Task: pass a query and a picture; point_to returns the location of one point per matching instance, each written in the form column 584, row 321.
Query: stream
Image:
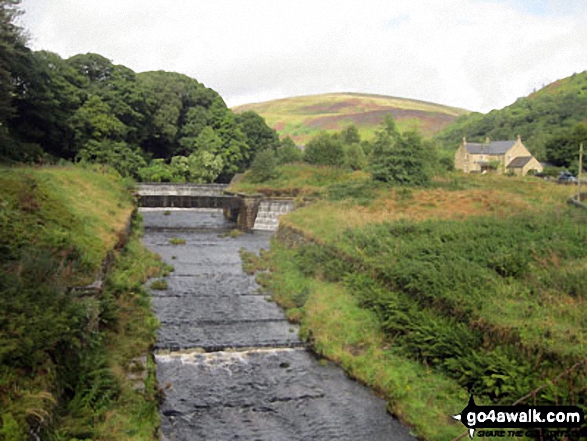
column 230, row 365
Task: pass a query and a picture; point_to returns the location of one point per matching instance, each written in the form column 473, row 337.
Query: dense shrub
column 324, row 150
column 264, row 167
column 288, row 152
column 428, row 283
column 401, row 158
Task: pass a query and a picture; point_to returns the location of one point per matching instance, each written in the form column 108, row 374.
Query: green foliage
column 324, row 149
column 94, row 120
column 354, row 157
column 156, row 171
column 87, row 107
column 401, row 159
column 119, row 155
column 288, row 152
column 56, row 372
column 563, row 149
column 11, row 49
column 259, row 135
column 350, row 135
column 432, row 280
column 264, row 167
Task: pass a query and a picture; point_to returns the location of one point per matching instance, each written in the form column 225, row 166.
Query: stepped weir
column 269, row 212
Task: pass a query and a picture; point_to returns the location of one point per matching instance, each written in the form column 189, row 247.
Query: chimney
column 487, row 140
column 519, row 139
column 464, row 140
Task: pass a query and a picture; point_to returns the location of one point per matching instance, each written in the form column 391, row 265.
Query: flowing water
column 230, row 365
column 269, row 211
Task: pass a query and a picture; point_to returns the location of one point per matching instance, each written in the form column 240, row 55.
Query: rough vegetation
column 65, row 353
column 473, row 283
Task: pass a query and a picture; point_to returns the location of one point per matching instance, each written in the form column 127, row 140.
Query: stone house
column 503, row 156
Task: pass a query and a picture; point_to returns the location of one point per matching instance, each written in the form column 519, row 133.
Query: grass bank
column 340, row 329
column 474, row 284
column 70, row 359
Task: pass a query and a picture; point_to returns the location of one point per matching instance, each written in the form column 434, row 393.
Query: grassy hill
column 303, row 117
column 549, row 112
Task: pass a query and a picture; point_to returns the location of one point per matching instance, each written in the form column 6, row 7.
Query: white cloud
column 476, row 54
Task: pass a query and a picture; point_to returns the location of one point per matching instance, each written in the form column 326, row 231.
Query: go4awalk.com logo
column 523, row 418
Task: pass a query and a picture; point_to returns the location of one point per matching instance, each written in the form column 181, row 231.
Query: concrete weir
column 230, row 365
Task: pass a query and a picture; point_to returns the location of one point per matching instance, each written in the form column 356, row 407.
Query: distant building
column 502, row 156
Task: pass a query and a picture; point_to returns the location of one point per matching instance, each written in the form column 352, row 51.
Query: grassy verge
column 338, row 328
column 128, row 339
column 65, row 354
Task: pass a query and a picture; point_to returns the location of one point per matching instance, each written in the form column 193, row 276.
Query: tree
column 258, row 134
column 350, row 135
column 53, row 93
column 288, row 152
column 127, row 160
column 156, row 171
column 11, row 47
column 263, row 167
column 204, row 166
column 399, row 159
column 355, row 157
column 95, row 120
column 563, row 150
column 324, row 150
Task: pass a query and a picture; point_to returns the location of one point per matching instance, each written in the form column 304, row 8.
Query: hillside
column 476, row 283
column 547, row 113
column 302, row 117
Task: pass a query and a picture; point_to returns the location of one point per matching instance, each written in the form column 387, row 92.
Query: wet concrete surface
column 230, row 364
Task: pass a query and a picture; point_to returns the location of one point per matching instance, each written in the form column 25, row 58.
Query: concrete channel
column 230, row 364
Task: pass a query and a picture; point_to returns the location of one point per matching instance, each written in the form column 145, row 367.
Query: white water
column 269, row 212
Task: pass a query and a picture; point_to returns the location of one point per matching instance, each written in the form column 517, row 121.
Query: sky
column 473, row 54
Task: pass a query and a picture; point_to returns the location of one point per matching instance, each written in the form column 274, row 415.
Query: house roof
column 519, row 162
column 494, row 148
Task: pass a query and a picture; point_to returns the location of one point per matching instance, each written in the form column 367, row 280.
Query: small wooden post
column 579, row 174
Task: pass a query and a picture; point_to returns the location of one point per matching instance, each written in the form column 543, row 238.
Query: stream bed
column 230, row 365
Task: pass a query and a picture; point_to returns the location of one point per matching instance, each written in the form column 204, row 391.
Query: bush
column 289, row 152
column 324, row 150
column 400, row 159
column 264, row 167
column 126, row 159
column 355, row 157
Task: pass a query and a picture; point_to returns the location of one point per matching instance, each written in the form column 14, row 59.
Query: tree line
column 158, row 126
column 391, row 157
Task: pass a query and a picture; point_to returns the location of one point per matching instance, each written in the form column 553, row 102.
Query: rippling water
column 230, row 364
